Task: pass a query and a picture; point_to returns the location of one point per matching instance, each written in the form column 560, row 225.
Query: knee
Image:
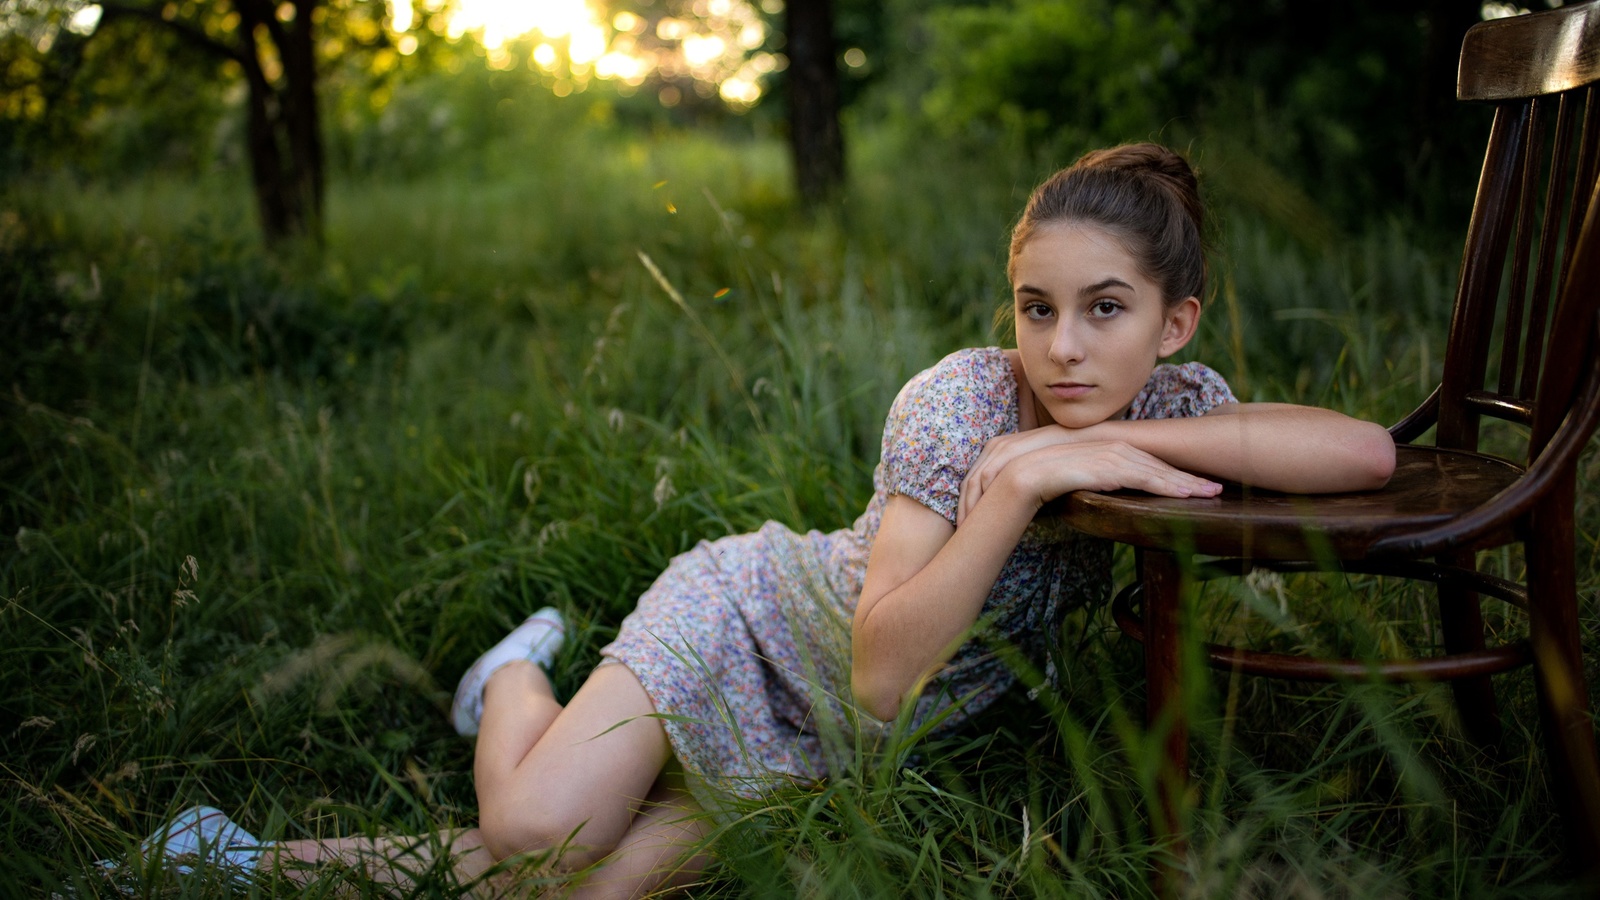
column 561, row 830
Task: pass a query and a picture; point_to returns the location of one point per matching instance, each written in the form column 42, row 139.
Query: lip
column 1069, row 390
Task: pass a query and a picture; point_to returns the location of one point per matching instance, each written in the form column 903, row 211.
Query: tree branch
column 266, row 15
column 249, row 18
column 186, row 30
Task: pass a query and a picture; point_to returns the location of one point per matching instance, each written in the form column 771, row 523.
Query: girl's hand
column 1074, row 461
column 1001, row 450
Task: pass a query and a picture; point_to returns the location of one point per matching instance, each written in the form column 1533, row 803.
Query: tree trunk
column 284, row 134
column 815, row 139
column 302, row 124
column 261, row 133
column 283, row 130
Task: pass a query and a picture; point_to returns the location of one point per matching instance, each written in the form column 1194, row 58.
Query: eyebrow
column 1086, row 290
column 1099, row 286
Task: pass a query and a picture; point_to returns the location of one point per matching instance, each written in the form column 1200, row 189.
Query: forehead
column 1078, row 252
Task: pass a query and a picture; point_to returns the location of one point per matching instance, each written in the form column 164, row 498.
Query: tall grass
column 262, row 515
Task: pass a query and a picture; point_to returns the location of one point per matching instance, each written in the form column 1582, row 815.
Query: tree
column 278, row 49
column 805, row 32
column 815, row 138
column 274, row 51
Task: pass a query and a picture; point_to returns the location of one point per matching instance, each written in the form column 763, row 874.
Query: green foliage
column 449, row 113
column 132, row 101
column 50, row 320
column 1096, row 69
column 479, row 401
column 1349, row 103
column 135, row 95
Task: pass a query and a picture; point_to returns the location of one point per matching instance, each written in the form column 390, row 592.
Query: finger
column 1119, row 465
column 971, row 490
column 976, row 482
column 1171, row 482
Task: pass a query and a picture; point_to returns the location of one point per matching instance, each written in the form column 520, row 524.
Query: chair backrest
column 1520, row 360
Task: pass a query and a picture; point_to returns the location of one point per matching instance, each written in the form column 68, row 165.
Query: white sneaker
column 537, row 640
column 200, row 837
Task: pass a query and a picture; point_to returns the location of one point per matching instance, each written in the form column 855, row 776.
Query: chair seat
column 1429, row 486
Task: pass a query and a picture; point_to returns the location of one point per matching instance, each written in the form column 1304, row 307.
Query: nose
column 1067, row 344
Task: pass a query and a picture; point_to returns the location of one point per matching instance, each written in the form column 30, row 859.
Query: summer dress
column 743, row 643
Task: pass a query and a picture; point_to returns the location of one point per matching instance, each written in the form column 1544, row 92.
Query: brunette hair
column 1146, row 196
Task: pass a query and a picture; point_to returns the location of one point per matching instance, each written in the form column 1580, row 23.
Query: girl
column 752, row 647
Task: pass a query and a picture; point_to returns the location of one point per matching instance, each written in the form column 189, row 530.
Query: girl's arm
column 1278, row 446
column 926, row 579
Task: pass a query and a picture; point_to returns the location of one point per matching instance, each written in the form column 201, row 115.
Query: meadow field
column 258, row 515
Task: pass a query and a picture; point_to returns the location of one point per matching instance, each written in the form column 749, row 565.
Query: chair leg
column 1461, row 621
column 1558, row 666
column 1163, row 655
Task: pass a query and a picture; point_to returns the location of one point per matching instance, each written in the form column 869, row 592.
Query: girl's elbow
column 874, row 697
column 872, row 687
column 867, row 688
column 1376, row 457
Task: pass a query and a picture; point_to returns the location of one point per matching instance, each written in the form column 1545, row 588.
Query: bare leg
column 586, row 775
column 518, row 707
column 547, row 778
column 398, row 861
column 658, row 852
column 527, row 707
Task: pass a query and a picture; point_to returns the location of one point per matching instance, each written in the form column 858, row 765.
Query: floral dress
column 743, row 643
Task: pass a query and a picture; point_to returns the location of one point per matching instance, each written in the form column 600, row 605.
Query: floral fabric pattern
column 743, row 643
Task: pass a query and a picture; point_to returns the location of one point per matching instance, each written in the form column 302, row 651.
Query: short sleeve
column 1176, row 392
column 939, row 423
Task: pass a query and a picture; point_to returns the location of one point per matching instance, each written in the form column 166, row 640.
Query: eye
column 1035, row 310
column 1104, row 309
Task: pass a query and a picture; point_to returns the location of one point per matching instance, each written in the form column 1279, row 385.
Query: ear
column 1182, row 318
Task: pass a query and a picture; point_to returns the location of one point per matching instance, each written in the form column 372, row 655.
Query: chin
column 1077, row 418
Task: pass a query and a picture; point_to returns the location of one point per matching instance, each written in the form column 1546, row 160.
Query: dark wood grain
column 1429, row 486
column 1531, row 56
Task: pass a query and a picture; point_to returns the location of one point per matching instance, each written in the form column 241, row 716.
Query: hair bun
column 1169, row 171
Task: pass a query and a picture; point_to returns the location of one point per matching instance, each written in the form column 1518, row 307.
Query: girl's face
column 1090, row 326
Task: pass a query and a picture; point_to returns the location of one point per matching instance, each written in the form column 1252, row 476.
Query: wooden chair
column 1511, row 355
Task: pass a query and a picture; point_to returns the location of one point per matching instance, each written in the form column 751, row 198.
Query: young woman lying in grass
column 726, row 674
